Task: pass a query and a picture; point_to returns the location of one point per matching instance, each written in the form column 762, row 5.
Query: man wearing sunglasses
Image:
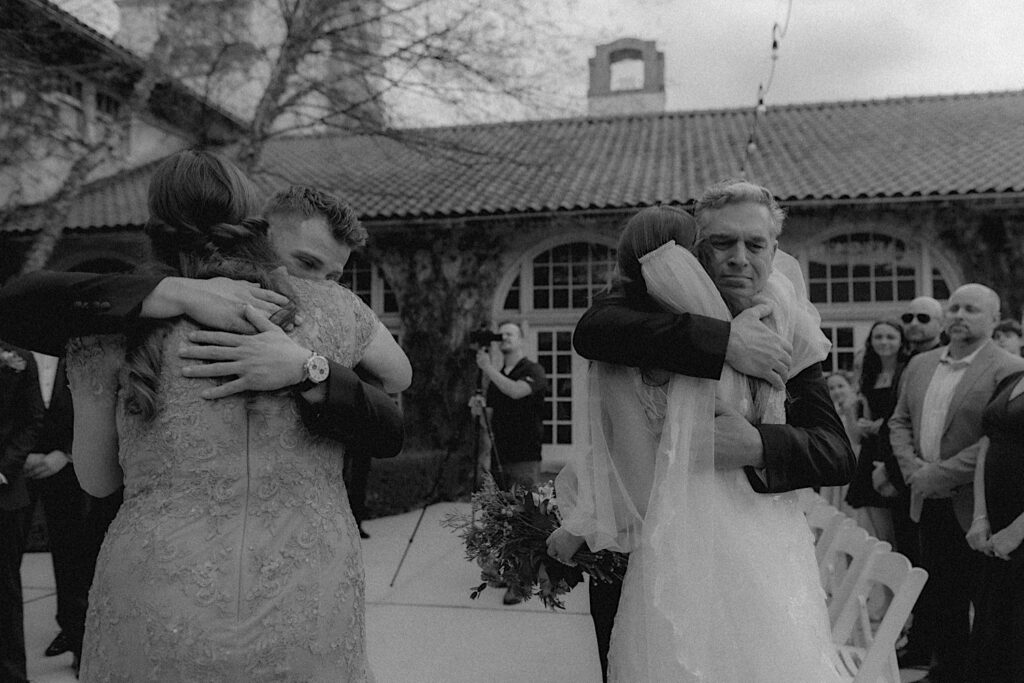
column 922, row 324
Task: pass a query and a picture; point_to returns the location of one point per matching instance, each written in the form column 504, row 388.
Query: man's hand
column 218, row 303
column 755, row 350
column 926, row 482
column 562, row 545
column 264, row 361
column 43, row 465
column 737, row 442
column 483, row 360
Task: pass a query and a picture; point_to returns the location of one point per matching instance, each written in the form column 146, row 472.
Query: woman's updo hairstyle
column 202, row 206
column 647, row 230
column 201, row 225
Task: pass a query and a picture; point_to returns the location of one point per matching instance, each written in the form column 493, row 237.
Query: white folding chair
column 824, row 521
column 844, row 561
column 866, row 652
column 808, row 499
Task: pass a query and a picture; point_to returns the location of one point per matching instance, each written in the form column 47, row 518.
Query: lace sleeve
column 93, row 365
column 366, row 324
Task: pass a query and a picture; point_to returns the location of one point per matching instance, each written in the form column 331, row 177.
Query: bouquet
column 506, row 534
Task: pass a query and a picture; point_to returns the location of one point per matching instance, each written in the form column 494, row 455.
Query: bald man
column 934, row 432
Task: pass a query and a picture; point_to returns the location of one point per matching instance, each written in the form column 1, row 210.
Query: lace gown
column 235, row 556
column 722, row 585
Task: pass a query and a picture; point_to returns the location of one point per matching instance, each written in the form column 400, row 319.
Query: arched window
column 548, row 289
column 857, row 277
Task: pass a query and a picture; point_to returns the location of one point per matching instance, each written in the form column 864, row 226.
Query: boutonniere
column 10, row 359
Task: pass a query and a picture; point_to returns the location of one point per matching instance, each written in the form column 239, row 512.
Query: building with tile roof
column 887, row 200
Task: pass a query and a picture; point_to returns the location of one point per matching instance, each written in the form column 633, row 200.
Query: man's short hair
column 310, row 202
column 737, row 191
column 1008, row 325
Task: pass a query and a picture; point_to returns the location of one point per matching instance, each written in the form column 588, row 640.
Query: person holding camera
column 514, row 407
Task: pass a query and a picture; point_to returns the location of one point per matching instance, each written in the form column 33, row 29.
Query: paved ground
column 423, row 629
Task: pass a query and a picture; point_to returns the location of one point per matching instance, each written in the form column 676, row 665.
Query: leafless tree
column 283, row 67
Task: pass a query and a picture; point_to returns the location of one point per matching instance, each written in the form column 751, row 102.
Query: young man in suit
column 934, row 432
column 51, row 480
column 738, row 227
column 314, row 233
column 21, row 413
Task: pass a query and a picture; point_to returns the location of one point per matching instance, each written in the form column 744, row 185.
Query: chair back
column 843, row 563
column 866, row 648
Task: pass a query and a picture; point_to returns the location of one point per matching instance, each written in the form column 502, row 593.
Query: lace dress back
column 235, row 556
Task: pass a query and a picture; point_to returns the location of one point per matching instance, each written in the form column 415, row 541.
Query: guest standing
column 21, row 413
column 996, row 651
column 883, row 362
column 934, row 432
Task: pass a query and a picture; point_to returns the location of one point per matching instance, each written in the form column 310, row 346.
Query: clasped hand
column 737, row 442
column 265, row 361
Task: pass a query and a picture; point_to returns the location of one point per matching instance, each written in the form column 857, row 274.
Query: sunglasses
column 922, row 318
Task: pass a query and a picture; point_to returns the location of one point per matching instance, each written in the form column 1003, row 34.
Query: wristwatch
column 314, row 372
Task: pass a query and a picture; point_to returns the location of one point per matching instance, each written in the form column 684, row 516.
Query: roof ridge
column 672, row 114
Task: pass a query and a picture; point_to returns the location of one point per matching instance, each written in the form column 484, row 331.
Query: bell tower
column 627, row 76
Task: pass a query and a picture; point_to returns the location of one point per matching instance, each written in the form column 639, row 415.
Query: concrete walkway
column 423, row 629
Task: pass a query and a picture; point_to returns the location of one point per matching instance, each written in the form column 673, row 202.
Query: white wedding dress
column 722, row 585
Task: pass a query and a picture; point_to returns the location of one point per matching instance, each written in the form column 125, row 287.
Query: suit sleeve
column 811, row 448
column 42, row 310
column 357, row 414
column 614, row 330
column 901, row 426
column 25, row 418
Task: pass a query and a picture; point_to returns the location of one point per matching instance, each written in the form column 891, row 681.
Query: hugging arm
column 615, row 330
column 42, row 310
column 811, row 448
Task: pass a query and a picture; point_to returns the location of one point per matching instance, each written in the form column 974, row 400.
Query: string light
column 761, row 109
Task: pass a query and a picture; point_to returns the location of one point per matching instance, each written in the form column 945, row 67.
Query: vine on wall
column 444, row 277
column 991, row 249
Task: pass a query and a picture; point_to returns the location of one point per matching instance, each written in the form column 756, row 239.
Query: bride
column 722, row 583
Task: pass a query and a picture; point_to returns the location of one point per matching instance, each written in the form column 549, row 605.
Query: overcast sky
column 718, row 51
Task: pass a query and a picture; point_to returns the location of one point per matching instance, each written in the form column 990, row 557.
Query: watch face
column 317, row 368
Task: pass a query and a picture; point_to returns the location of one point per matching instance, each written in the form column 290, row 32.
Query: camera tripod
column 495, row 467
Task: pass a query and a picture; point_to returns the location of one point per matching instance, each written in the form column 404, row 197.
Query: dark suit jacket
column 811, row 449
column 21, row 413
column 42, row 310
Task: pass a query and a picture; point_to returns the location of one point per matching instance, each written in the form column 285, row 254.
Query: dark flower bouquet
column 506, row 534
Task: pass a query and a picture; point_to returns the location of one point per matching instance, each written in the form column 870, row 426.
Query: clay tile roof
column 936, row 146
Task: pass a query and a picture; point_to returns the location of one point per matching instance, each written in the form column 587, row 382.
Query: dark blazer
column 21, row 414
column 42, row 310
column 811, row 449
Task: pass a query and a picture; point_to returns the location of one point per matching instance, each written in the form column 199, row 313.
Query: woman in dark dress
column 884, row 360
column 997, row 637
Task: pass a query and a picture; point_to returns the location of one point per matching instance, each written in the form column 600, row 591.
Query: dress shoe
column 510, row 599
column 60, row 645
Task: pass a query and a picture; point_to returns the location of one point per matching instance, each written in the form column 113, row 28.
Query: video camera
column 483, row 337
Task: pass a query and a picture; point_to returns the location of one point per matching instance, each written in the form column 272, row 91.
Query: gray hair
column 737, row 191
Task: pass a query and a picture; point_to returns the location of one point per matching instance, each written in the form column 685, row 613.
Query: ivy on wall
column 990, row 245
column 444, row 277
